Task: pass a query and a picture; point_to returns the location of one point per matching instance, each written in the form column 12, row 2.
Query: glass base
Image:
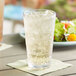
column 38, row 66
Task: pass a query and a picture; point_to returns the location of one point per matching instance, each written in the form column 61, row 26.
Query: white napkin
column 55, row 65
column 5, row 46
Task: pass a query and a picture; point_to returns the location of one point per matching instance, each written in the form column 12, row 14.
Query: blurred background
column 13, row 11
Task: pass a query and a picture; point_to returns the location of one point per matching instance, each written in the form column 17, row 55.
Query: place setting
column 39, row 43
column 39, row 39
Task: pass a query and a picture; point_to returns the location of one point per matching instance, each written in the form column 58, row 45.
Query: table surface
column 18, row 52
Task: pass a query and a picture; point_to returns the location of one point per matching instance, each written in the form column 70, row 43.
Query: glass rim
column 38, row 10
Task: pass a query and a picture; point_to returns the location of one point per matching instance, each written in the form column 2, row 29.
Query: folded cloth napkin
column 55, row 65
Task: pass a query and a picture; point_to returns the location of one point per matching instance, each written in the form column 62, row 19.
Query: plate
column 22, row 34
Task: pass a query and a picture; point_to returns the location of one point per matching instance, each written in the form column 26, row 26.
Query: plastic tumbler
column 39, row 32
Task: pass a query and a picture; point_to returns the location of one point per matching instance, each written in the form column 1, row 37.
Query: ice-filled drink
column 39, row 32
column 1, row 18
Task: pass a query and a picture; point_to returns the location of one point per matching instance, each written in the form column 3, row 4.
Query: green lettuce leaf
column 57, row 20
column 71, row 30
column 59, row 31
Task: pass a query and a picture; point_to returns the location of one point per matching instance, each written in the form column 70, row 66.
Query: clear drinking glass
column 39, row 33
column 1, row 18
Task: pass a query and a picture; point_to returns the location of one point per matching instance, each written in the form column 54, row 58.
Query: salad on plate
column 65, row 31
